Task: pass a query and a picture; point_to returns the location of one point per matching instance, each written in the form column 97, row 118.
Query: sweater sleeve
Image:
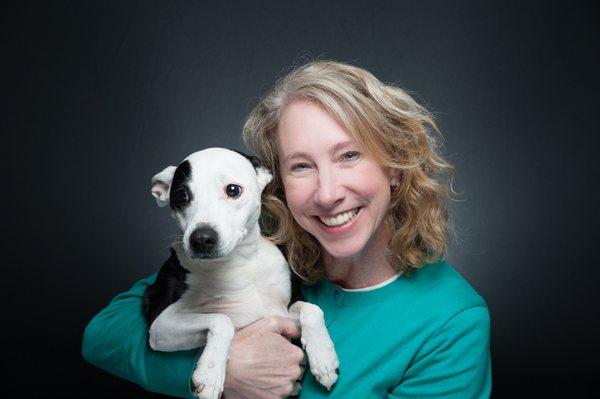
column 116, row 340
column 454, row 363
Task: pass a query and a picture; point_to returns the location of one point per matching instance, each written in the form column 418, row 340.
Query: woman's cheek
column 297, row 191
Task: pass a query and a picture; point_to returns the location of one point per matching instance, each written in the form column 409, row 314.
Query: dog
column 223, row 275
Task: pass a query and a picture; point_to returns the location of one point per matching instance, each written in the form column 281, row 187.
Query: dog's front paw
column 315, row 340
column 323, row 360
column 208, row 379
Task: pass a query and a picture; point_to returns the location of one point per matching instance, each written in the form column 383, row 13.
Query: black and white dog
column 223, row 275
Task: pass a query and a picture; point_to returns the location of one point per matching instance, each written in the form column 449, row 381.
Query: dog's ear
column 263, row 174
column 161, row 184
column 252, row 158
column 263, row 177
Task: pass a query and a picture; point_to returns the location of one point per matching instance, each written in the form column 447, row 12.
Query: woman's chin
column 341, row 251
column 344, row 245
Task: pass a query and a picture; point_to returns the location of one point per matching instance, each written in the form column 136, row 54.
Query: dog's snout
column 203, row 241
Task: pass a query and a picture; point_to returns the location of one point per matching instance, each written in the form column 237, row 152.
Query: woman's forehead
column 307, row 127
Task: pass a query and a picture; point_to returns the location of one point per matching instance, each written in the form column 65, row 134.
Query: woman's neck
column 369, row 267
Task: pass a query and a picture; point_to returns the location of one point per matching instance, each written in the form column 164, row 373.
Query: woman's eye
column 300, row 166
column 350, row 156
column 233, row 190
column 183, row 196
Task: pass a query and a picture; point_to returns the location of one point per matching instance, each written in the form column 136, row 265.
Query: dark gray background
column 100, row 96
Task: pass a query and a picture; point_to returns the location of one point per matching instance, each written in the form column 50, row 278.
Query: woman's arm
column 454, row 363
column 262, row 362
column 116, row 340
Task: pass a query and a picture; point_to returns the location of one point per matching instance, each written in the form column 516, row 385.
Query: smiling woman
column 334, row 192
column 358, row 207
column 373, row 136
column 358, row 204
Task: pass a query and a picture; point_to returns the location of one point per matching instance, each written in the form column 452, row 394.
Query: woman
column 357, row 205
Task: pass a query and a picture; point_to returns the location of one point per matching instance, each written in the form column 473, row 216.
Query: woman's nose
column 330, row 191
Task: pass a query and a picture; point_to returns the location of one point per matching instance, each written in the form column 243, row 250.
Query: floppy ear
column 161, row 184
column 263, row 176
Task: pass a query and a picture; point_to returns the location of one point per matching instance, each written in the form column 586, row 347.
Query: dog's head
column 214, row 195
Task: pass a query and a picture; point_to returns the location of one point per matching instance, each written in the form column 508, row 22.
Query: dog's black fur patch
column 181, row 177
column 253, row 159
column 296, row 290
column 167, row 288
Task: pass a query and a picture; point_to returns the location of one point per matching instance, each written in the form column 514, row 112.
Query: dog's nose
column 203, row 240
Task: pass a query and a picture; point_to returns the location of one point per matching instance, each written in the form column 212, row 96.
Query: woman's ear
column 394, row 177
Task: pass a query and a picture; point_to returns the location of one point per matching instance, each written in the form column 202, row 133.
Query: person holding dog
column 358, row 205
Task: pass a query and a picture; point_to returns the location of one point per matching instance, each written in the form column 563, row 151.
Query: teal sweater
column 425, row 335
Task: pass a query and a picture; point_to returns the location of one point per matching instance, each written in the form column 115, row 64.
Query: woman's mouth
column 340, row 219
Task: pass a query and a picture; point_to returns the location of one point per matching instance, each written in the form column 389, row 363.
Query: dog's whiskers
column 177, row 240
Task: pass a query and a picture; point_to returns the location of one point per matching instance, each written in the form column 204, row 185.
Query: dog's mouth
column 203, row 256
column 189, row 253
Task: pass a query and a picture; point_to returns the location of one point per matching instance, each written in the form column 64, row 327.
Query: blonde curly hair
column 392, row 128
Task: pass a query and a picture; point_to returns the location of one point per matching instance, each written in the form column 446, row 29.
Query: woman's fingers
column 284, row 325
column 262, row 363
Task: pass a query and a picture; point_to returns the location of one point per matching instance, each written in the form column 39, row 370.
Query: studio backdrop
column 99, row 96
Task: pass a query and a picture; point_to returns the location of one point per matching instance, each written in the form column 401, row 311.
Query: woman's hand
column 262, row 362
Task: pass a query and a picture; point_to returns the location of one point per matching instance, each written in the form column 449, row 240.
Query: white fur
column 248, row 281
column 161, row 184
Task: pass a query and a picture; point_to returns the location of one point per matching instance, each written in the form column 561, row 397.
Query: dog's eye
column 183, row 196
column 233, row 190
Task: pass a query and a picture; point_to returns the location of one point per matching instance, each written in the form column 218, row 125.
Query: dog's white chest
column 243, row 305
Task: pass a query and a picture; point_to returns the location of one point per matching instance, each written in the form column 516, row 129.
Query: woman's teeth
column 340, row 219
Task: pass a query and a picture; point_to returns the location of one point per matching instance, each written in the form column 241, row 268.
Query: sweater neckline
column 373, row 287
column 377, row 294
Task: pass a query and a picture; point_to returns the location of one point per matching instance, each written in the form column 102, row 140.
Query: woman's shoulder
column 442, row 291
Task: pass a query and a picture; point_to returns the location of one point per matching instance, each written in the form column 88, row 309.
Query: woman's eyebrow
column 342, row 145
column 295, row 155
column 336, row 148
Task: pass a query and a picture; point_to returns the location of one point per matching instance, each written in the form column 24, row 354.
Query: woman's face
column 333, row 190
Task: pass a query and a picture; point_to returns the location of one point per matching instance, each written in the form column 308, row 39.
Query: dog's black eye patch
column 253, row 159
column 180, row 195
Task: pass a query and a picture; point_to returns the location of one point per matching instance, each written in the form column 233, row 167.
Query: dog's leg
column 315, row 339
column 209, row 376
column 178, row 329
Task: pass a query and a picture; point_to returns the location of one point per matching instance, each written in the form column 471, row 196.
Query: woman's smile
column 333, row 189
column 339, row 223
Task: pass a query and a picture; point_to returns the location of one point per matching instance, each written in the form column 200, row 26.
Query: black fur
column 181, row 177
column 296, row 289
column 167, row 289
column 253, row 159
